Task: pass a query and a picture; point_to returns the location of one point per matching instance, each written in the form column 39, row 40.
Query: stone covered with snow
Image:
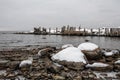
column 98, row 66
column 88, row 46
column 108, row 53
column 117, row 62
column 67, row 45
column 45, row 52
column 91, row 50
column 117, row 65
column 26, row 63
column 70, row 54
column 111, row 53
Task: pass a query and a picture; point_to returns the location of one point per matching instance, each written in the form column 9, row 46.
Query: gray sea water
column 9, row 41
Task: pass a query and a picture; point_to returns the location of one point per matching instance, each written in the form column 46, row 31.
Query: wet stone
column 118, row 75
column 86, row 75
column 45, row 52
column 53, row 69
column 92, row 55
column 72, row 65
column 56, row 77
column 3, row 64
column 117, row 67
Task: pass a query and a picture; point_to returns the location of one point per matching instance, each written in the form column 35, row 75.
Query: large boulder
column 98, row 66
column 70, row 54
column 70, row 57
column 91, row 50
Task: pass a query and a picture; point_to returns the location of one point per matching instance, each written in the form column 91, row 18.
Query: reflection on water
column 20, row 40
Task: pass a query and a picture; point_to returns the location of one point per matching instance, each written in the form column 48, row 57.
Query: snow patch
column 97, row 65
column 67, row 45
column 117, row 62
column 111, row 53
column 109, row 74
column 71, row 54
column 88, row 46
column 108, row 53
column 26, row 62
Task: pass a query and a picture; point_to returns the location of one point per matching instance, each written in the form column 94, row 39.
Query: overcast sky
column 26, row 14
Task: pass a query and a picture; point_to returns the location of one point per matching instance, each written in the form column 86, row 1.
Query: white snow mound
column 88, row 46
column 97, row 65
column 111, row 53
column 117, row 62
column 67, row 45
column 108, row 53
column 26, row 62
column 70, row 54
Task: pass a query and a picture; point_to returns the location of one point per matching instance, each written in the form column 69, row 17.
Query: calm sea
column 8, row 41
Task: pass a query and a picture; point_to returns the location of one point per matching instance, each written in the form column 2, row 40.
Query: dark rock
column 78, row 78
column 108, row 68
column 13, row 65
column 73, row 65
column 88, row 75
column 109, row 59
column 57, row 77
column 53, row 69
column 118, row 75
column 95, row 54
column 3, row 64
column 116, row 67
column 45, row 52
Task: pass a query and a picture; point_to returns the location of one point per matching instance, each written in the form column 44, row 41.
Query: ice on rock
column 108, row 53
column 88, row 46
column 26, row 62
column 111, row 53
column 70, row 54
column 67, row 45
column 97, row 65
column 117, row 62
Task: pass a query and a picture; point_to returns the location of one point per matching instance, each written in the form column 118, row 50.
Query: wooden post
column 99, row 31
column 49, row 30
column 91, row 31
column 56, row 30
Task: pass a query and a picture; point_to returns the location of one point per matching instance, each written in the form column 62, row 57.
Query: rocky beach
column 101, row 64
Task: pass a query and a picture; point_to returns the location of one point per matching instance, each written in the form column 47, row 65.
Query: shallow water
column 8, row 41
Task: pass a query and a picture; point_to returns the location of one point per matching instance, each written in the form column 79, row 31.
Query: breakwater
column 76, row 31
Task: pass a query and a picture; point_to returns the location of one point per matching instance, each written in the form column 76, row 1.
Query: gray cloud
column 26, row 14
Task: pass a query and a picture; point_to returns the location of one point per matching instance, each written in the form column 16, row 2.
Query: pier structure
column 76, row 31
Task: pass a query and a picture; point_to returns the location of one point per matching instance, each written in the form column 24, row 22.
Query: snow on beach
column 97, row 64
column 117, row 62
column 111, row 53
column 108, row 53
column 26, row 62
column 88, row 46
column 71, row 54
column 67, row 45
